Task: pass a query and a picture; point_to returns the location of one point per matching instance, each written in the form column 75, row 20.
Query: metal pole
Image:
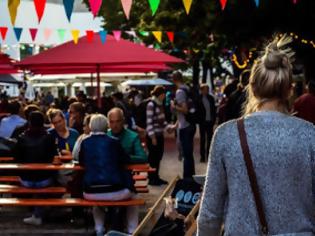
column 98, row 90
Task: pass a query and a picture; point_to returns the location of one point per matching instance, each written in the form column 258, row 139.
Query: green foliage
column 240, row 26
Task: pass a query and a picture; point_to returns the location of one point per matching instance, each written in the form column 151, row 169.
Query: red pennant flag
column 90, row 35
column 295, row 1
column 40, row 7
column 170, row 36
column 95, row 6
column 3, row 31
column 223, row 4
column 33, row 32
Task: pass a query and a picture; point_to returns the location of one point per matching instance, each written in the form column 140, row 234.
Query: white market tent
column 146, row 82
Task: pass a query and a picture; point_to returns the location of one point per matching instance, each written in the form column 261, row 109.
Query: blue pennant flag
column 68, row 4
column 257, row 3
column 18, row 32
column 103, row 35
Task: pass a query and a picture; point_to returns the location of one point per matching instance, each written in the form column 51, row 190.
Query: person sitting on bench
column 105, row 177
column 35, row 145
column 129, row 139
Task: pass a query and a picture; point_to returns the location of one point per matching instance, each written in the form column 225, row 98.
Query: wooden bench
column 61, row 158
column 16, row 180
column 14, row 189
column 11, row 179
column 140, row 177
column 142, row 190
column 67, row 202
column 6, row 159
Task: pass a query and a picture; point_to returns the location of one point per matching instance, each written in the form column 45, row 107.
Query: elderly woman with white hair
column 105, row 177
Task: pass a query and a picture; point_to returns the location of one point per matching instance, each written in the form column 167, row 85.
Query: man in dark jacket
column 234, row 107
column 207, row 117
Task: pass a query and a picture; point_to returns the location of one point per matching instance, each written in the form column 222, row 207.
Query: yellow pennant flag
column 187, row 5
column 158, row 35
column 13, row 7
column 75, row 36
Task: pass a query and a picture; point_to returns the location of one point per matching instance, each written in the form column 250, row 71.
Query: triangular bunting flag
column 47, row 34
column 3, row 31
column 157, row 35
column 131, row 33
column 68, row 4
column 187, row 5
column 18, row 33
column 89, row 35
column 257, row 3
column 144, row 33
column 95, row 6
column 33, row 32
column 40, row 7
column 127, row 7
column 117, row 34
column 103, row 35
column 295, row 1
column 154, row 5
column 157, row 46
column 61, row 34
column 170, row 36
column 13, row 7
column 223, row 4
column 75, row 36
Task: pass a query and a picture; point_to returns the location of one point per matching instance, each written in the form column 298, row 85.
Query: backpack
column 192, row 115
column 141, row 113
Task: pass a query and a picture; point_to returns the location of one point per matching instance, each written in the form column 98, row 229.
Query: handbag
column 252, row 177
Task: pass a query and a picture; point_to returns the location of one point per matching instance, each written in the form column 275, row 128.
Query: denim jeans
column 186, row 137
column 37, row 211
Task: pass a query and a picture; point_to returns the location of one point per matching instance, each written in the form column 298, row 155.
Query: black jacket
column 35, row 146
column 234, row 107
column 202, row 110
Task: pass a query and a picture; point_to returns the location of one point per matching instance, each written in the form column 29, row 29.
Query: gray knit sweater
column 283, row 153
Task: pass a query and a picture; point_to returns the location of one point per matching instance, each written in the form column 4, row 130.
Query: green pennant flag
column 154, row 5
column 157, row 46
column 61, row 34
column 144, row 33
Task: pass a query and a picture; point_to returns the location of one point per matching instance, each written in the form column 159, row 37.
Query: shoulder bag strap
column 252, row 176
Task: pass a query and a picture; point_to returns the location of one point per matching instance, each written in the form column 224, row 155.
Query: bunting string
column 95, row 6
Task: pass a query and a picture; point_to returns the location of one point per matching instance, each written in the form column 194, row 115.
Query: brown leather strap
column 252, row 176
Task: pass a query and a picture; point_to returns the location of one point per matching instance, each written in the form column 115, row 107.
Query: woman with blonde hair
column 261, row 172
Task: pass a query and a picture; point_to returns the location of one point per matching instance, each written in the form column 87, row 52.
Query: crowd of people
column 131, row 129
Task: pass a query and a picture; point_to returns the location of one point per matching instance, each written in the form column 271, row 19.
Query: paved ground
column 58, row 220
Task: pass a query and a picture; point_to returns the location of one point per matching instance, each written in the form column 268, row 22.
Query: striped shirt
column 155, row 119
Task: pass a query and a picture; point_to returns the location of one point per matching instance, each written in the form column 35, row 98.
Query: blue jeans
column 186, row 138
column 37, row 211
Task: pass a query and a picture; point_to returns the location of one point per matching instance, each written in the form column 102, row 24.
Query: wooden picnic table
column 65, row 166
column 39, row 166
column 11, row 159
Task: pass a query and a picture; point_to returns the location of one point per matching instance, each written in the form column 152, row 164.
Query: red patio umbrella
column 96, row 57
column 6, row 65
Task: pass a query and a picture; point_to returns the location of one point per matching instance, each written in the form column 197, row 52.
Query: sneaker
column 162, row 181
column 33, row 220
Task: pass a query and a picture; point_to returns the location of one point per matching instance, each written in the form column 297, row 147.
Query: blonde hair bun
column 276, row 56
